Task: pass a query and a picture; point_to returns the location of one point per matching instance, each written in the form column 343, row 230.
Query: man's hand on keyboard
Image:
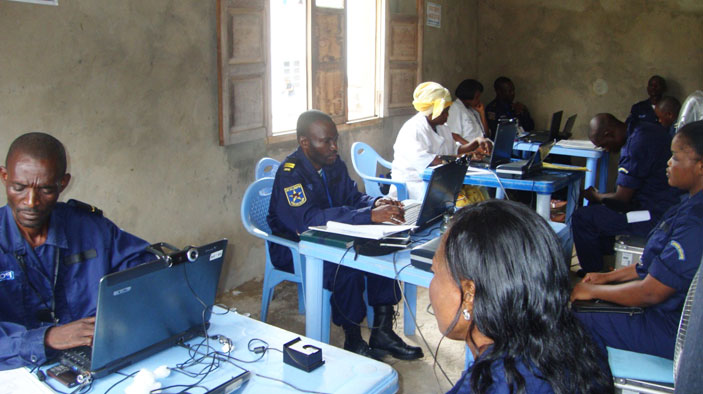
column 387, row 201
column 76, row 333
column 388, row 213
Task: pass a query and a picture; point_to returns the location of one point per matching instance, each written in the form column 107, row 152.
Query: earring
column 467, row 314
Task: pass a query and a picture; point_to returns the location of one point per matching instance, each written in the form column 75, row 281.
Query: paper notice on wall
column 434, row 14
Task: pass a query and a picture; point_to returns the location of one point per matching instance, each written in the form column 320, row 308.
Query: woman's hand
column 596, row 278
column 582, row 291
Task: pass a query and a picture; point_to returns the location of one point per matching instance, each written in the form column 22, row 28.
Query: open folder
column 370, row 231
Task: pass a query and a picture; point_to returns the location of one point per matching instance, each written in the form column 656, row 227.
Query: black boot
column 384, row 339
column 353, row 342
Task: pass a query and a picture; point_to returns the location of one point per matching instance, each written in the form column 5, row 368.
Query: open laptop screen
column 151, row 307
column 441, row 193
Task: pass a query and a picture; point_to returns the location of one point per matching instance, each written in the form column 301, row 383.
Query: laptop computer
column 568, row 126
column 526, row 168
column 149, row 308
column 442, row 189
column 546, row 135
column 502, row 146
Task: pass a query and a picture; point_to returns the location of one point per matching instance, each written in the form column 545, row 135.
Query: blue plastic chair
column 255, row 208
column 644, row 373
column 365, row 161
column 266, row 168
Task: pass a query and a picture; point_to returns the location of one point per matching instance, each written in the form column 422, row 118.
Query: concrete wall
column 130, row 87
column 555, row 51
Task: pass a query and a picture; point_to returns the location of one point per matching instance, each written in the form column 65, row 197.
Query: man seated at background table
column 643, row 111
column 423, row 140
column 504, row 107
column 467, row 117
column 52, row 256
column 641, row 185
column 312, row 186
column 667, row 111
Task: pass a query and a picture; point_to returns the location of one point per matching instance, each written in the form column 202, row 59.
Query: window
column 277, row 58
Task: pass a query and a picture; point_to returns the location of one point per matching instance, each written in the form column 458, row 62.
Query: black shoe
column 383, row 338
column 354, row 343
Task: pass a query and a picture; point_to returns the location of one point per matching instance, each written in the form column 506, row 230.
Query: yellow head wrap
column 431, row 98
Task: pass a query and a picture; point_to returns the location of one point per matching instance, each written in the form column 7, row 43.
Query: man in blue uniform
column 52, row 256
column 503, row 107
column 641, row 185
column 312, row 186
column 667, row 111
column 643, row 111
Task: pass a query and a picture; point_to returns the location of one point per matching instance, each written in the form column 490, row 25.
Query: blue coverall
column 301, row 198
column 672, row 256
column 86, row 246
column 642, row 167
column 643, row 112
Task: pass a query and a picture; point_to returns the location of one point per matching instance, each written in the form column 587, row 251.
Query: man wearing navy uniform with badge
column 312, row 186
column 641, row 185
column 52, row 256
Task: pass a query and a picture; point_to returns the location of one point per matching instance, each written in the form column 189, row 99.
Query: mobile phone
column 64, row 374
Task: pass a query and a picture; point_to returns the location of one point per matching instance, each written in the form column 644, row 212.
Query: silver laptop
column 149, row 308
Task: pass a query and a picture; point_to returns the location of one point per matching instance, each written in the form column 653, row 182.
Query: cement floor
column 419, row 376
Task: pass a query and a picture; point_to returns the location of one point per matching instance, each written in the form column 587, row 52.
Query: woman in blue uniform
column 501, row 285
column 669, row 262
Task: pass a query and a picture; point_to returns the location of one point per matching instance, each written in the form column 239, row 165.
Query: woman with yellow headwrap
column 422, row 139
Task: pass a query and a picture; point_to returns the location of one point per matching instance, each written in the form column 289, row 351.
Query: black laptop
column 149, row 308
column 568, row 126
column 546, row 135
column 440, row 196
column 502, row 146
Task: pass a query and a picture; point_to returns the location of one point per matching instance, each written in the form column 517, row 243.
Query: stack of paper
column 371, row 231
column 577, row 144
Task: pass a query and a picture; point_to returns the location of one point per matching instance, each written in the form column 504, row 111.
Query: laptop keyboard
column 77, row 358
column 412, row 211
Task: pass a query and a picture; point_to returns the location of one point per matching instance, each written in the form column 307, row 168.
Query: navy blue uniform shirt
column 87, row 246
column 672, row 255
column 496, row 110
column 642, row 167
column 301, row 199
column 643, row 112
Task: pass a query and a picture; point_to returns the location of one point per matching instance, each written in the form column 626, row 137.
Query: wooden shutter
column 403, row 61
column 328, row 61
column 243, row 77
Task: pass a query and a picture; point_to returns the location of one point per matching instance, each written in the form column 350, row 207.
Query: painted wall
column 555, row 51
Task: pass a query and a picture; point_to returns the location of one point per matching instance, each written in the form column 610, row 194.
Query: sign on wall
column 45, row 2
column 434, row 14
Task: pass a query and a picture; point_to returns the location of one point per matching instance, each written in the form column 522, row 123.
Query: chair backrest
column 688, row 353
column 365, row 161
column 255, row 206
column 266, row 168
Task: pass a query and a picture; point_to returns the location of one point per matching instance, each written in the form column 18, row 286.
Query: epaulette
column 289, row 164
column 85, row 207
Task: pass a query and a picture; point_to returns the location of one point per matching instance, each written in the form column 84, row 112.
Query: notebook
column 148, row 308
column 546, row 135
column 502, row 146
column 442, row 189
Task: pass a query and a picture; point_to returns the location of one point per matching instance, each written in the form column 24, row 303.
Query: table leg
column 603, row 171
column 410, row 304
column 313, row 298
column 590, row 180
column 543, row 206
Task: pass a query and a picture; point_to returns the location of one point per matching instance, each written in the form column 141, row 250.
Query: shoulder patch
column 623, row 170
column 85, row 207
column 295, row 195
column 679, row 250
